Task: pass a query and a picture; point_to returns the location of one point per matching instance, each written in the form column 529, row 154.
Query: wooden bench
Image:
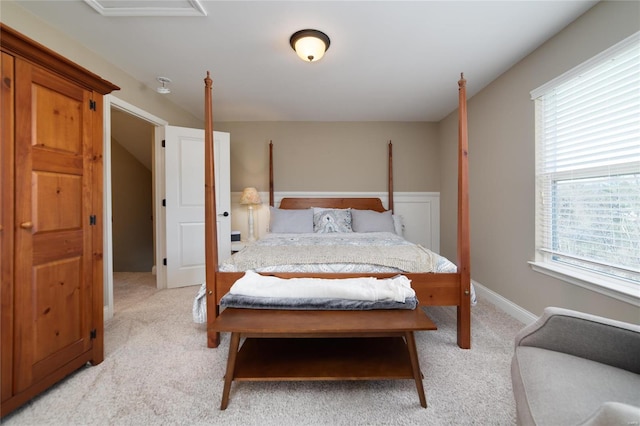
column 288, row 345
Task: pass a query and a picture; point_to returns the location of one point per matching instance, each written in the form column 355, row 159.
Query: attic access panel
column 148, row 7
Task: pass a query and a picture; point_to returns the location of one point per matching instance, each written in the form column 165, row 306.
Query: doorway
column 118, row 112
column 132, row 208
column 131, row 193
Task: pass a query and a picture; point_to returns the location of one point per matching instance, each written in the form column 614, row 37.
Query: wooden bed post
column 390, row 185
column 210, row 228
column 271, row 200
column 464, row 267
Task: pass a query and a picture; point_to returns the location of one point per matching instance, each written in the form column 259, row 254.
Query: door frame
column 157, row 177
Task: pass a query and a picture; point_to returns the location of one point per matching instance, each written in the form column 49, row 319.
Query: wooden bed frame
column 432, row 289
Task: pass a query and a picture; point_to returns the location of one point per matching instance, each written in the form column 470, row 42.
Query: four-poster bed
column 432, row 289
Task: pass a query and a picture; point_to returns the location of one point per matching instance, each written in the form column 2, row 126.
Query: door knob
column 26, row 225
column 225, row 214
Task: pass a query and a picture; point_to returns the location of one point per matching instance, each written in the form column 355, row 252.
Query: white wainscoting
column 420, row 212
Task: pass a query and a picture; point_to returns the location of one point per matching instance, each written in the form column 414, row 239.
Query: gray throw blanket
column 250, row 302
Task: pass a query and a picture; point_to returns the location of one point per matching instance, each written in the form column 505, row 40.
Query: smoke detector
column 163, row 90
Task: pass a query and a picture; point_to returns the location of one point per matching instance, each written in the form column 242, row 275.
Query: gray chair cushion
column 614, row 413
column 554, row 388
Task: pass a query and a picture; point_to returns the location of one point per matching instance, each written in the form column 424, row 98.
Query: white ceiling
column 388, row 60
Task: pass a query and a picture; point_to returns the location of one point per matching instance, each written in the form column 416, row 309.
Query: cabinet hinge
column 164, row 261
column 92, row 105
column 163, row 142
column 164, row 202
column 93, row 334
column 92, row 219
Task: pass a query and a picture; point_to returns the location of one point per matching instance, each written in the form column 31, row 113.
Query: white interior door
column 184, row 203
column 222, row 154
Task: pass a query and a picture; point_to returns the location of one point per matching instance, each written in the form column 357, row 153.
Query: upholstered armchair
column 572, row 368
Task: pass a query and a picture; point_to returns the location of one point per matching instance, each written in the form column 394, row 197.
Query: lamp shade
column 310, row 45
column 250, row 196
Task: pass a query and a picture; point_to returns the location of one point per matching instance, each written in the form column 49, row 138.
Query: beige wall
column 132, row 212
column 501, row 155
column 131, row 90
column 333, row 156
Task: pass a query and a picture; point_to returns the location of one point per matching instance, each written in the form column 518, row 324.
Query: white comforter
column 337, row 252
column 365, row 288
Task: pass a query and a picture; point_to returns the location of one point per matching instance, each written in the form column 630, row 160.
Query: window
column 588, row 172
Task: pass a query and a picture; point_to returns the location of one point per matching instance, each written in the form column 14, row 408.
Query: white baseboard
column 108, row 313
column 504, row 304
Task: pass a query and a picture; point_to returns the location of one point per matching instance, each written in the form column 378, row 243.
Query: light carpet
column 158, row 371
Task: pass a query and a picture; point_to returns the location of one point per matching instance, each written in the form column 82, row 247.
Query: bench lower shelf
column 289, row 359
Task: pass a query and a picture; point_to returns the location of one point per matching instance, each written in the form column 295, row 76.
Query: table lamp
column 250, row 198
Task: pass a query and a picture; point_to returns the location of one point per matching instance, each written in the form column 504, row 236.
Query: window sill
column 616, row 289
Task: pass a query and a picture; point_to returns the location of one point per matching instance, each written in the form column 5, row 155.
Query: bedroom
column 503, row 238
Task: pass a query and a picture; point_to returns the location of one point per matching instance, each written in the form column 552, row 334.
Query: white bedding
column 396, row 289
column 336, row 253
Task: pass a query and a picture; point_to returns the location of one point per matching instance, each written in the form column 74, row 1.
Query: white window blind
column 588, row 166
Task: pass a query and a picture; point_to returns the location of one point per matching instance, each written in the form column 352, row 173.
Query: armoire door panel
column 48, row 247
column 58, row 305
column 53, row 281
column 57, row 201
column 61, row 104
column 59, row 163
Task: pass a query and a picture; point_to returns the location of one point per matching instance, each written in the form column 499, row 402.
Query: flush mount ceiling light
column 310, row 45
column 163, row 90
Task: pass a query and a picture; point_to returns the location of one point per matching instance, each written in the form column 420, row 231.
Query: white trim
column 589, row 281
column 107, row 230
column 503, row 304
column 160, row 234
column 577, row 70
column 152, row 9
column 121, row 105
column 109, row 102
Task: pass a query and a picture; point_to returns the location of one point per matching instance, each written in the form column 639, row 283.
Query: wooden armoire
column 51, row 243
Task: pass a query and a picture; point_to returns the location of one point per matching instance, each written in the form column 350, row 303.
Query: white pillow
column 295, row 221
column 372, row 221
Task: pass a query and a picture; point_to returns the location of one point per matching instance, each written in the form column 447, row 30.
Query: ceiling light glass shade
column 163, row 90
column 310, row 45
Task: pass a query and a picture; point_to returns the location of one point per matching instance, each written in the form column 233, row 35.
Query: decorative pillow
column 297, row 221
column 331, row 220
column 372, row 221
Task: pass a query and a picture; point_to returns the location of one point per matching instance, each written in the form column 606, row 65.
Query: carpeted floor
column 158, row 371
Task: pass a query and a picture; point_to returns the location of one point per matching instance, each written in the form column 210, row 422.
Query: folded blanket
column 406, row 257
column 371, row 289
column 249, row 302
